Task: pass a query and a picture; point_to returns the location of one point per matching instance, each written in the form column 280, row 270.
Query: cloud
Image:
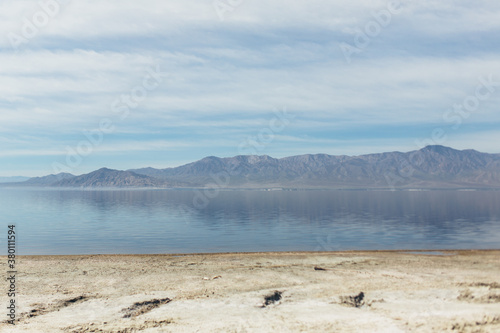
column 223, row 78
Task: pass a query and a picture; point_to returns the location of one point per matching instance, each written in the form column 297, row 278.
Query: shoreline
column 353, row 291
column 405, row 251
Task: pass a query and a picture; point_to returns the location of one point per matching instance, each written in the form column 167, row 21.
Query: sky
column 129, row 84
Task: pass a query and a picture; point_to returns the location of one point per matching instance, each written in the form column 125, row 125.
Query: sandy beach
column 457, row 291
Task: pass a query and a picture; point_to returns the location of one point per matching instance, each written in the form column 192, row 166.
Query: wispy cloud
column 223, row 79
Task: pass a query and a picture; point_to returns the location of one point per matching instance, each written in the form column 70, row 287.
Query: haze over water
column 166, row 221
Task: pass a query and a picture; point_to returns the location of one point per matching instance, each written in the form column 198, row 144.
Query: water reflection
column 165, row 221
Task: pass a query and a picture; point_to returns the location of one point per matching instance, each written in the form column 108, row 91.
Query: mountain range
column 14, row 179
column 429, row 167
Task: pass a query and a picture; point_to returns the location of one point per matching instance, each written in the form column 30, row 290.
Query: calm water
column 166, row 221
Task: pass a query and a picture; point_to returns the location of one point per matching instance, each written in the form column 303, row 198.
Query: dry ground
column 261, row 292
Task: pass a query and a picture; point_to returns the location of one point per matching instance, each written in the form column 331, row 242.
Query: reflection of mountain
column 151, row 221
column 362, row 219
column 430, row 210
column 430, row 167
column 350, row 219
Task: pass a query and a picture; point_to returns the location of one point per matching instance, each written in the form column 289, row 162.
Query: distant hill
column 111, row 178
column 39, row 181
column 48, row 180
column 15, row 179
column 430, row 167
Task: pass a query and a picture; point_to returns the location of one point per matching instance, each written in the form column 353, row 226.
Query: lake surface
column 167, row 221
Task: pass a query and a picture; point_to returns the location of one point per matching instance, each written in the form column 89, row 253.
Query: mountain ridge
column 13, row 179
column 430, row 167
